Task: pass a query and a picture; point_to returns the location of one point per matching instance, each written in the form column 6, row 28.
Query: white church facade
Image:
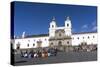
column 57, row 36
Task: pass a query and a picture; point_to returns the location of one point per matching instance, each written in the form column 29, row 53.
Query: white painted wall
column 89, row 40
column 30, row 41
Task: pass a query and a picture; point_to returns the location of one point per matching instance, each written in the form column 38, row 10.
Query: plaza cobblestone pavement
column 62, row 57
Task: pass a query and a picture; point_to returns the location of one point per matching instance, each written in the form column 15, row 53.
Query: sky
column 34, row 18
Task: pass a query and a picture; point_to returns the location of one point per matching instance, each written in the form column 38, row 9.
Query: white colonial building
column 57, row 36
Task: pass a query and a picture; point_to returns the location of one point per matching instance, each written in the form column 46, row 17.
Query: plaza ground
column 62, row 57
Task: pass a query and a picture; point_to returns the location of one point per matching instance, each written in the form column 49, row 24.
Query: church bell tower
column 52, row 28
column 68, row 26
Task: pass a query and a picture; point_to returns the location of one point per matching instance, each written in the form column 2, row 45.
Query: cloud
column 89, row 27
column 94, row 28
column 94, row 23
column 85, row 26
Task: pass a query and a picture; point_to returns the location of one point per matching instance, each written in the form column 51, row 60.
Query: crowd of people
column 87, row 48
column 53, row 51
column 39, row 53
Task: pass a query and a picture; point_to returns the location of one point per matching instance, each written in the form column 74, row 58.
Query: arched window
column 67, row 25
column 52, row 26
column 27, row 45
column 59, row 43
column 33, row 44
column 59, row 34
column 45, row 39
column 51, row 44
column 18, row 46
column 93, row 36
column 67, row 42
column 78, row 38
column 39, row 43
column 88, row 37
